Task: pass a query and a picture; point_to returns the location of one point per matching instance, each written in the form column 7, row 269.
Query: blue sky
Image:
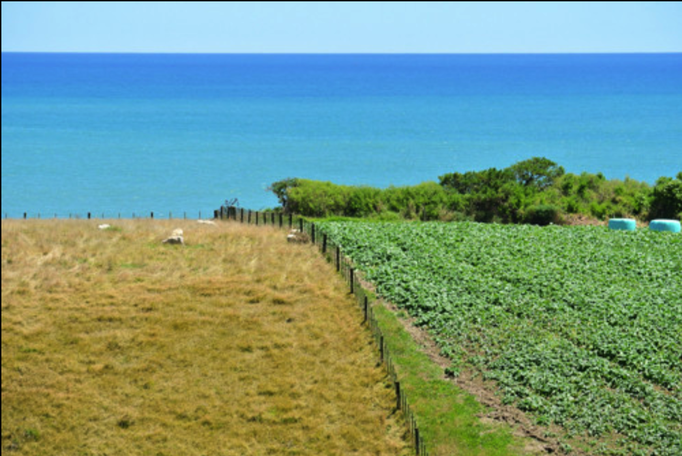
column 334, row 27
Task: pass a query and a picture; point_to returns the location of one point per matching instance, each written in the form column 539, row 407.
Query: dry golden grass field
column 236, row 343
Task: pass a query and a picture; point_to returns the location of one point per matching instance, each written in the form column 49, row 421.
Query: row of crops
column 579, row 326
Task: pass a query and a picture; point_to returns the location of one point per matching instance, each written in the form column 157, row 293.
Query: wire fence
column 332, row 252
column 117, row 215
column 344, row 266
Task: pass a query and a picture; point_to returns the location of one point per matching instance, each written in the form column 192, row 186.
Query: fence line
column 332, row 252
column 103, row 215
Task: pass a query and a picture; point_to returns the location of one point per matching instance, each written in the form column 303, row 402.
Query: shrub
column 317, row 199
column 362, row 201
column 542, row 214
column 666, row 201
column 524, row 192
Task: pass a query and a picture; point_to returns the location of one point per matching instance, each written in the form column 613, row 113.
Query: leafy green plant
column 578, row 326
column 542, row 214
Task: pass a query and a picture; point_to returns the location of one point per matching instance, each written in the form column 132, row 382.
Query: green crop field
column 580, row 327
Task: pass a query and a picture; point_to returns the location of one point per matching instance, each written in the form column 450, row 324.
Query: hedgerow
column 535, row 191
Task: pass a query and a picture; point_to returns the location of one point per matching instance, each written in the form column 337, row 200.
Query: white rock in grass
column 174, row 240
column 206, row 222
column 297, row 237
column 104, row 226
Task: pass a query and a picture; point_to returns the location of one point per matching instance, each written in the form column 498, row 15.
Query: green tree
column 281, row 190
column 538, row 172
column 667, row 198
column 476, row 181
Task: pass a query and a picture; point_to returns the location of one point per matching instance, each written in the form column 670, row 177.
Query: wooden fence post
column 369, row 318
column 416, row 441
column 351, row 280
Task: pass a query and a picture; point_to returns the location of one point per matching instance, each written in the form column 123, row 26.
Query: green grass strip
column 447, row 416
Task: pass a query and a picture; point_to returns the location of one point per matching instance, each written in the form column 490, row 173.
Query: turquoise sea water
column 135, row 133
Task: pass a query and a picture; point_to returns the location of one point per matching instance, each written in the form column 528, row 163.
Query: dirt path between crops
column 484, row 392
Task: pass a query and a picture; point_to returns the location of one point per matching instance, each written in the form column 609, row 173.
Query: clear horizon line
column 347, row 52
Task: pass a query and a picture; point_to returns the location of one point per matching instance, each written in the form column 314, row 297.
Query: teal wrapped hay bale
column 665, row 225
column 623, row 224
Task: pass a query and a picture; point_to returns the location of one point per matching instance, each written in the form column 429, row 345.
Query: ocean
column 175, row 134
